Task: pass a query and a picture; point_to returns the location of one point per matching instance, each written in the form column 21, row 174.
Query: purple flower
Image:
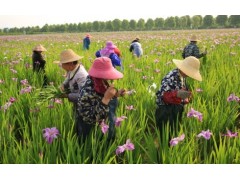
column 199, row 90
column 193, row 113
column 232, row 97
column 50, row 133
column 120, row 150
column 128, row 146
column 119, row 120
column 206, row 134
column 104, row 127
column 176, row 140
column 231, row 134
column 130, row 92
column 24, row 82
column 12, row 99
column 130, row 107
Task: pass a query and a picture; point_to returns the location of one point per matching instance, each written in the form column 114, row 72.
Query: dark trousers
column 83, row 129
column 171, row 114
column 112, row 117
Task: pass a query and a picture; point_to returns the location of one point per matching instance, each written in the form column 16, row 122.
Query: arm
column 97, row 54
column 196, row 52
column 116, row 61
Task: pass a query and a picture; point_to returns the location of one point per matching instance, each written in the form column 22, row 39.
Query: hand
column 63, row 96
column 121, row 92
column 109, row 94
column 183, row 94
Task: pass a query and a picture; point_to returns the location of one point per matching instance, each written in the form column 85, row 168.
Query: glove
column 183, row 94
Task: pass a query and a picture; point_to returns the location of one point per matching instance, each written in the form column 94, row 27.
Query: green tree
column 170, row 22
column 117, row 24
column 159, row 23
column 183, row 22
column 96, row 26
column 196, row 22
column 125, row 24
column 234, row 20
column 109, row 26
column 141, row 24
column 132, row 24
column 208, row 21
column 150, row 24
column 221, row 20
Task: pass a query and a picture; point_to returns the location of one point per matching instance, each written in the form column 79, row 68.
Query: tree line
column 170, row 23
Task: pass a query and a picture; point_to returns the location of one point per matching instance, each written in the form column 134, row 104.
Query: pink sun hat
column 110, row 45
column 102, row 68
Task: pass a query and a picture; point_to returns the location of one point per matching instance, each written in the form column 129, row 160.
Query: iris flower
column 50, row 133
column 128, row 146
column 104, row 127
column 119, row 120
column 205, row 134
column 176, row 140
column 231, row 134
column 196, row 114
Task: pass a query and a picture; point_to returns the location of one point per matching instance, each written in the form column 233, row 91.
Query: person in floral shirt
column 174, row 92
column 97, row 92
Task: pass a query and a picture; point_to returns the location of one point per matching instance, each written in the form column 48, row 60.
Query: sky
column 23, row 13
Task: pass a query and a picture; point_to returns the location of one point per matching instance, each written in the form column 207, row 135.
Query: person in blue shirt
column 86, row 42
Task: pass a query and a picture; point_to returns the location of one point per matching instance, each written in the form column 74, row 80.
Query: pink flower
column 176, row 140
column 205, row 134
column 193, row 113
column 130, row 107
column 199, row 90
column 24, row 82
column 231, row 134
column 128, row 146
column 58, row 101
column 232, row 97
column 119, row 120
column 12, row 99
column 50, row 133
column 104, row 127
column 130, row 92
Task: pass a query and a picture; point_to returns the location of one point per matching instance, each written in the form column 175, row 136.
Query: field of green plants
column 22, row 120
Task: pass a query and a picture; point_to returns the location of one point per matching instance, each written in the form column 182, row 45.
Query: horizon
column 24, row 13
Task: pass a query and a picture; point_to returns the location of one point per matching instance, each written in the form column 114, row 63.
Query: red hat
column 102, row 68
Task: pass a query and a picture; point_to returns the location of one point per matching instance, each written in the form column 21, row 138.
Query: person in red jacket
column 174, row 92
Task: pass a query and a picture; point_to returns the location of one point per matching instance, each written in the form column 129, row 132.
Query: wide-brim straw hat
column 67, row 56
column 194, row 38
column 102, row 68
column 189, row 66
column 39, row 48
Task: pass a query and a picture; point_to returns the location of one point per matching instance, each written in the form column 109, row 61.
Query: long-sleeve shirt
column 38, row 62
column 86, row 43
column 191, row 50
column 90, row 107
column 136, row 48
column 116, row 61
column 74, row 81
column 171, row 83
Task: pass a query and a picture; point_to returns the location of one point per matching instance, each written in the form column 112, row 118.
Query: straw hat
column 190, row 66
column 39, row 48
column 194, row 38
column 102, row 68
column 68, row 56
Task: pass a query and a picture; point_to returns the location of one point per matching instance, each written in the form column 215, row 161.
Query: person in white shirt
column 75, row 77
